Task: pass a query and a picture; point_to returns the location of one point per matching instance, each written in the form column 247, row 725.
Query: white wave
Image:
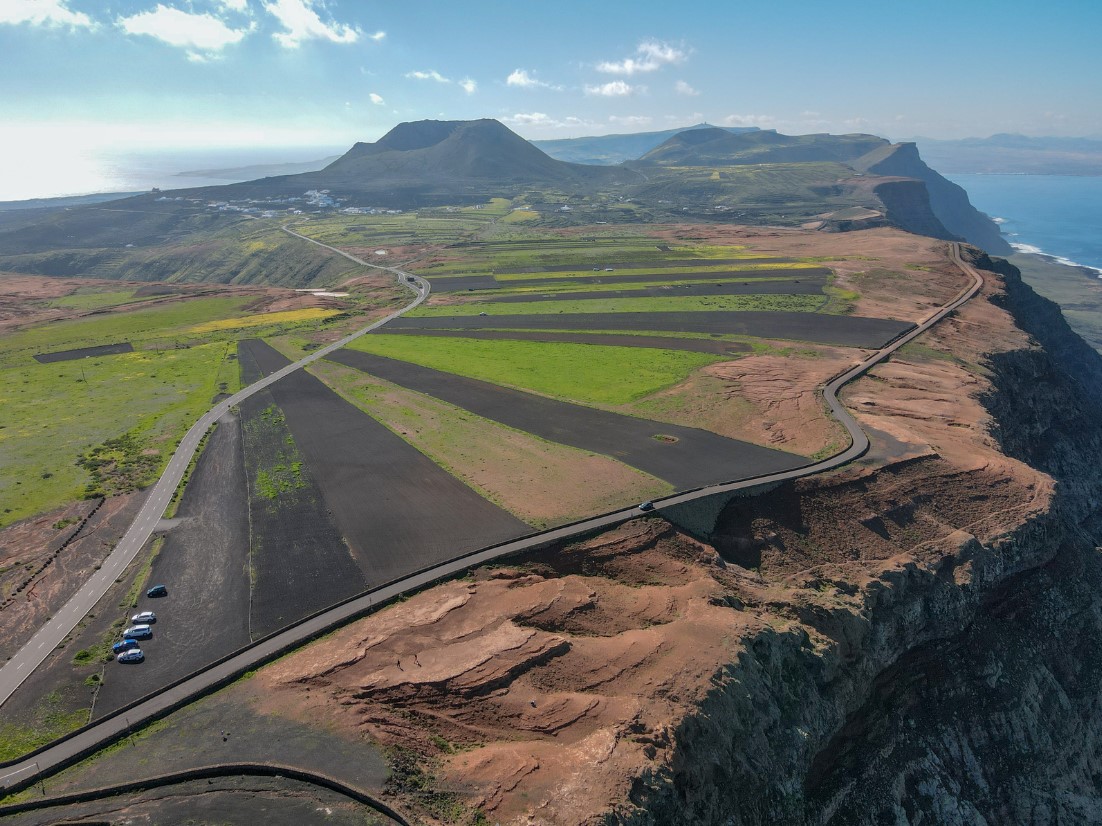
column 999, row 220
column 1029, row 249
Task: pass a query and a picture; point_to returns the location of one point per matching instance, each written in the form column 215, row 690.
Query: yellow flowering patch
column 261, row 319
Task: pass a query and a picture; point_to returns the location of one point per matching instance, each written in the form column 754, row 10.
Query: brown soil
column 26, row 545
column 540, row 691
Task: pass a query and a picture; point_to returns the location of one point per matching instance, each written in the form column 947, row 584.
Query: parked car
column 157, row 591
column 646, row 506
column 134, row 655
column 124, row 645
column 138, row 632
column 144, row 618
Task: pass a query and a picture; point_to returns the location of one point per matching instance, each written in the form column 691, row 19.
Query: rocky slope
column 910, row 640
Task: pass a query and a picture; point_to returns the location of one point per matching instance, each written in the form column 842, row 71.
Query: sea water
column 1055, row 215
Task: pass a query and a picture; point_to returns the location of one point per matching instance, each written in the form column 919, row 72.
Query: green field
column 54, row 413
column 593, row 374
column 704, row 270
column 741, row 303
column 138, row 326
column 568, row 286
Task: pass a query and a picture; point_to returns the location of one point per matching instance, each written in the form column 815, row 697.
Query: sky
column 286, row 73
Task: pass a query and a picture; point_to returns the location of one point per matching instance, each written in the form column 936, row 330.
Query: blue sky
column 328, row 72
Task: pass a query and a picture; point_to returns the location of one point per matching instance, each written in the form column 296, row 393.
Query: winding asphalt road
column 85, row 741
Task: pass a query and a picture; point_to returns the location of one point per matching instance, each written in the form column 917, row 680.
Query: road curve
column 69, row 749
column 49, row 636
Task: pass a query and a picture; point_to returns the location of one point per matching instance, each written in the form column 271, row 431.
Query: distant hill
column 714, row 146
column 1015, row 155
column 607, row 150
column 260, row 170
column 433, row 162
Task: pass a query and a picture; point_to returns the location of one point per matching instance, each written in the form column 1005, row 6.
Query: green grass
column 55, row 413
column 776, row 269
column 670, row 304
column 163, row 322
column 587, row 373
column 50, row 722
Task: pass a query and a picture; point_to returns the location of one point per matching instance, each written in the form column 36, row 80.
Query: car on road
column 144, row 618
column 124, row 645
column 157, row 591
column 646, row 506
column 134, row 655
column 138, row 632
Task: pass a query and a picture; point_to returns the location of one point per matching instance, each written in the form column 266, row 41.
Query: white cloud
column 748, row 120
column 43, row 13
column 376, row 99
column 612, row 89
column 235, row 5
column 468, row 85
column 302, row 22
column 203, row 35
column 522, row 79
column 683, row 88
column 630, row 120
column 432, row 74
column 377, row 36
column 651, row 55
column 542, row 120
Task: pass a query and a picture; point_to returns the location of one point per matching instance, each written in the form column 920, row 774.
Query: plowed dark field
column 847, row 331
column 696, row 345
column 84, row 352
column 204, row 563
column 671, row 263
column 467, row 283
column 398, row 510
column 300, row 562
column 678, row 290
column 691, row 459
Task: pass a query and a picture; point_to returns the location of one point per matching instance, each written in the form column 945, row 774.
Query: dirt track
column 696, row 345
column 847, row 331
column 397, row 508
column 696, row 458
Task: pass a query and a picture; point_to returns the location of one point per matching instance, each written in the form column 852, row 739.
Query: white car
column 144, row 618
column 138, row 632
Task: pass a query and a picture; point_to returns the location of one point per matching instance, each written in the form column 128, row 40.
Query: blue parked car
column 134, row 655
column 157, row 591
column 124, row 645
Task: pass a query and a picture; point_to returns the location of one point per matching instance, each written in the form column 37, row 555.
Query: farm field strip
column 591, row 374
column 696, row 345
column 289, row 527
column 817, row 328
column 794, row 269
column 541, row 482
column 488, row 282
column 662, row 304
column 685, row 457
column 84, row 352
column 655, row 264
column 660, row 291
column 398, row 510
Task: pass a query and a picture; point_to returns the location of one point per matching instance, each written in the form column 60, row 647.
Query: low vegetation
column 587, row 373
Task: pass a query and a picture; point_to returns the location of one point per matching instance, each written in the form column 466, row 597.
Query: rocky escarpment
column 960, row 684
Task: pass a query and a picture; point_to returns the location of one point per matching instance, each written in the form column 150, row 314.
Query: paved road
column 110, row 728
column 28, row 658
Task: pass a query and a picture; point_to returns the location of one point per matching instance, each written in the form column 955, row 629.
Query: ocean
column 1055, row 215
column 24, row 175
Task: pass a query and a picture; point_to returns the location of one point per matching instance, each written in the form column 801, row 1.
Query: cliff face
column 949, row 202
column 959, row 685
